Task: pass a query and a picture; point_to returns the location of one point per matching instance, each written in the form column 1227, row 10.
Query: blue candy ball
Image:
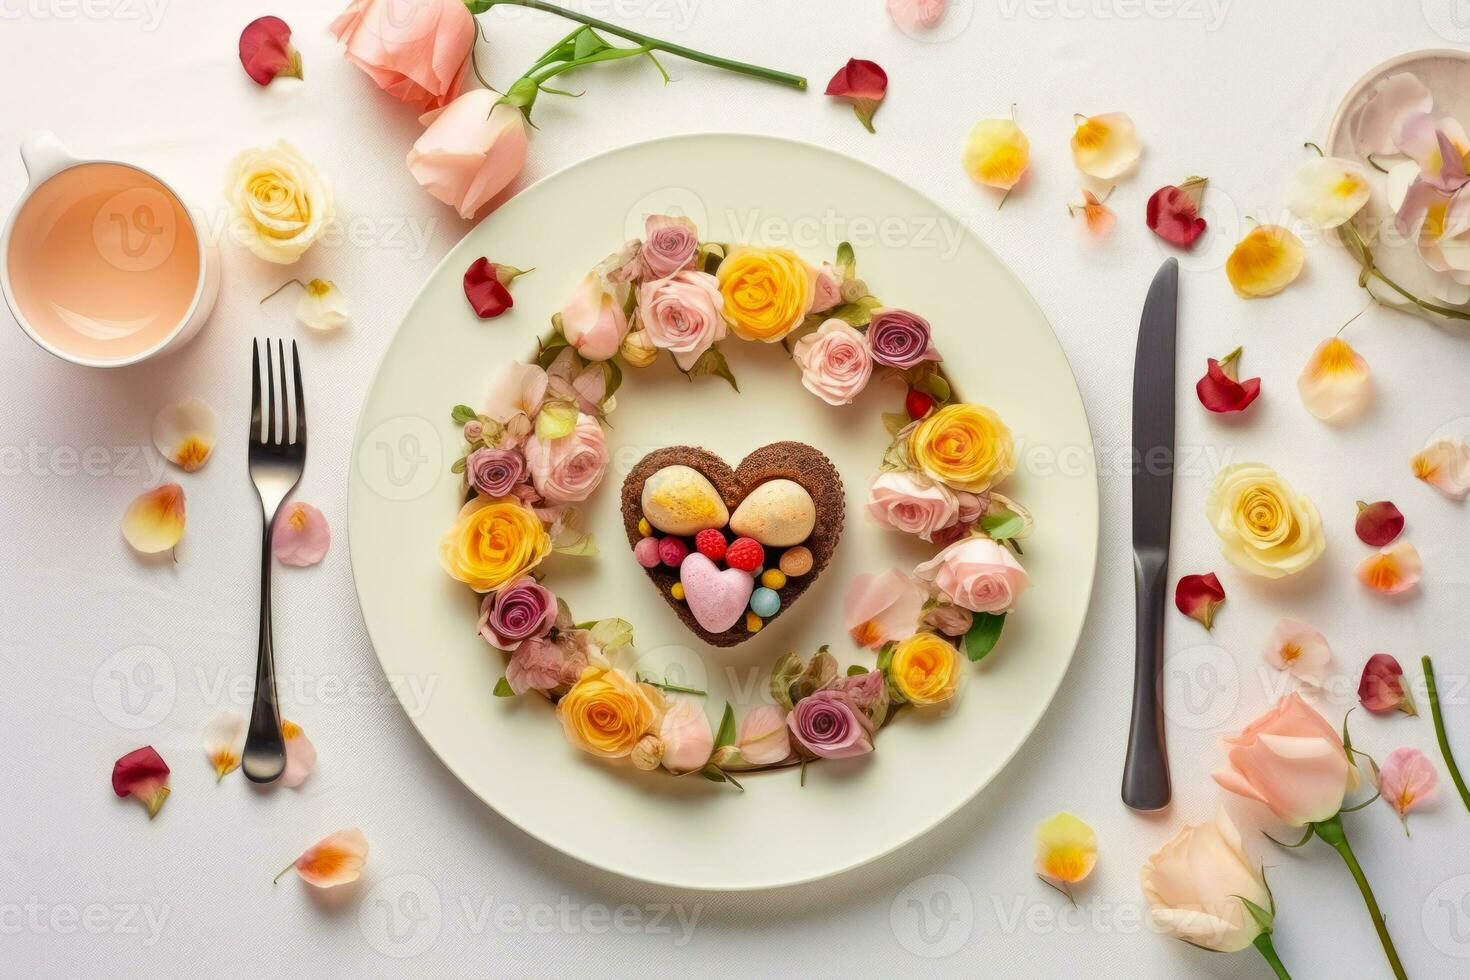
column 764, row 602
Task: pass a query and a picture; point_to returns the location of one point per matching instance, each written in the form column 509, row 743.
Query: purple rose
column 522, row 610
column 900, row 339
column 669, row 244
column 826, row 724
column 494, row 472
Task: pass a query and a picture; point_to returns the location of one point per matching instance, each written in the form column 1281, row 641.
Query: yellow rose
column 607, row 713
column 493, row 540
column 280, row 203
column 925, row 668
column 767, row 292
column 966, row 447
column 1265, row 527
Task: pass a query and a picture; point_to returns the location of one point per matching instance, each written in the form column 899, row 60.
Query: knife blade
column 1146, row 784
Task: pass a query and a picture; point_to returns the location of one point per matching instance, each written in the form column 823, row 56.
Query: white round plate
column 688, row 832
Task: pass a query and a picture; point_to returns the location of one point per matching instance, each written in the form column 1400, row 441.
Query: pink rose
column 829, row 725
column 686, row 736
column 951, row 620
column 910, row 15
column 417, row 52
column 1290, row 759
column 911, row 502
column 568, row 469
column 470, row 151
column 536, row 665
column 976, row 573
column 669, row 244
column 879, row 608
column 682, row 314
column 827, row 291
column 593, row 320
column 835, row 362
column 763, row 738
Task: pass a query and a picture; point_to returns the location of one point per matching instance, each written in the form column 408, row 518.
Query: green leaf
column 983, row 635
column 614, row 375
column 725, row 734
column 820, row 671
column 1262, row 916
column 503, row 689
column 553, row 345
column 854, row 670
column 611, row 634
column 462, row 414
column 885, row 655
column 587, row 43
column 458, row 465
column 712, row 362
column 846, row 260
column 575, row 544
column 713, row 773
column 894, row 422
column 478, row 7
column 855, row 314
column 934, row 383
column 1002, row 523
column 555, row 420
column 786, row 670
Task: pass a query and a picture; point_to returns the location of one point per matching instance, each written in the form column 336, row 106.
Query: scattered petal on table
column 322, row 305
column 487, row 287
column 224, row 742
column 1173, row 212
column 1298, row 648
column 1406, row 780
column 1392, row 570
column 301, row 536
column 1198, row 596
column 864, row 84
column 1327, row 191
column 300, row 754
column 266, row 51
column 1221, row 391
column 1066, row 849
column 1378, row 523
column 1106, row 146
column 334, row 860
column 143, row 774
column 1445, row 465
column 1336, row 385
column 1093, row 216
column 185, row 432
column 997, row 153
column 1265, row 261
column 1381, row 687
column 154, row 521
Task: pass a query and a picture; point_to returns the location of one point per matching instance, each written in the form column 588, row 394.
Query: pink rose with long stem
column 682, row 314
column 470, row 151
column 416, row 52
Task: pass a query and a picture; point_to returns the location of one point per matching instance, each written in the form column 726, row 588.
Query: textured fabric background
column 1226, row 89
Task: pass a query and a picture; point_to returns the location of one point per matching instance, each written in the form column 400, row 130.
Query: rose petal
column 1105, row 146
column 1066, row 849
column 266, row 51
column 880, row 608
column 224, row 742
column 1328, row 191
column 1407, row 779
column 1336, row 385
column 1298, row 648
column 1393, row 100
column 1381, row 688
column 143, row 774
column 1198, row 596
column 334, row 860
column 997, row 153
column 300, row 535
column 300, row 754
column 864, row 83
column 184, row 433
column 1392, row 570
column 1220, row 392
column 1445, row 465
column 322, row 306
column 1265, row 261
column 1094, row 217
column 1378, row 523
column 154, row 521
column 1173, row 212
column 488, row 296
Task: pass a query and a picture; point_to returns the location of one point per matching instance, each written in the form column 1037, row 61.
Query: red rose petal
column 864, row 83
column 142, row 773
column 266, row 52
column 1173, row 215
column 1382, row 686
column 488, row 296
column 1221, row 393
column 1198, row 596
column 1378, row 523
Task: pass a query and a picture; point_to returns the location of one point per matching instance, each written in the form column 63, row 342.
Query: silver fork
column 277, row 457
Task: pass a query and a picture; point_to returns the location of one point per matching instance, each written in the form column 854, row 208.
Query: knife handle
column 1146, row 770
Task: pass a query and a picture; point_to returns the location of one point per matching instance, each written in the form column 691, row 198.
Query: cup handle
column 44, row 156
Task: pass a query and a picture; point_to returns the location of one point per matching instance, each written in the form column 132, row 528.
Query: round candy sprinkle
column 672, row 551
column 773, row 578
column 646, row 551
column 711, row 543
column 645, row 528
column 677, row 591
column 753, row 622
column 796, row 562
column 764, row 602
column 745, row 554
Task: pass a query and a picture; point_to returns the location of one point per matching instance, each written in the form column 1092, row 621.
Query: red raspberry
column 672, row 551
column 711, row 543
column 745, row 554
column 918, row 403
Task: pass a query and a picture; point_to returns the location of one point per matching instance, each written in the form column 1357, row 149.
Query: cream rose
column 1194, row 885
column 1265, row 527
column 280, row 203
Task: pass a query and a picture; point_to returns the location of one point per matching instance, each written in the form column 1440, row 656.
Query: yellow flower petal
column 1265, row 261
column 1066, row 849
column 224, row 742
column 1392, row 570
column 1328, row 191
column 334, row 860
column 1445, row 465
column 1336, row 385
column 997, row 153
column 185, row 433
column 322, row 306
column 154, row 521
column 1105, row 146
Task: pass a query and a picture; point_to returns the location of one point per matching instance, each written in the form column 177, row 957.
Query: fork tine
column 285, row 435
column 270, row 395
column 299, row 438
column 255, row 391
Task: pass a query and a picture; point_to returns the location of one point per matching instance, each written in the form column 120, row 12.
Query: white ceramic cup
column 45, row 157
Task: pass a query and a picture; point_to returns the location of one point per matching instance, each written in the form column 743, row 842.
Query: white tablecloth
column 1221, row 88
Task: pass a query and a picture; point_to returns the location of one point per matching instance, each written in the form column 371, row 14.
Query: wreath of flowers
column 538, row 449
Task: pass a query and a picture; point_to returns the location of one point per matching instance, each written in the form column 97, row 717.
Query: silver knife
column 1146, row 770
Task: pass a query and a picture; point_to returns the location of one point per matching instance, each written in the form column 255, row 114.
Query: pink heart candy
column 715, row 597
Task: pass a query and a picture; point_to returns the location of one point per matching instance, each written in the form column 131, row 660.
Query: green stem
column 1331, row 831
column 1263, row 943
column 651, row 43
column 1439, row 732
column 606, row 54
column 1370, row 268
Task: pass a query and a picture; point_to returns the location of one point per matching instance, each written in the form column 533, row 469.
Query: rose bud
column 864, row 84
column 1220, row 391
column 487, row 287
column 1173, row 212
column 1382, row 687
column 1198, row 596
column 1378, row 523
column 266, row 51
column 142, row 773
column 470, row 151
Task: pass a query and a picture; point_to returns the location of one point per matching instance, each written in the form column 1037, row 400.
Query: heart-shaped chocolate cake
column 732, row 549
